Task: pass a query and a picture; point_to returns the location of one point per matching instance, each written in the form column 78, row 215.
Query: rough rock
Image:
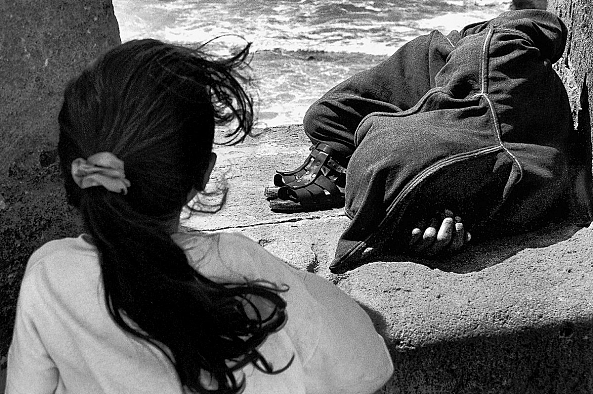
column 513, row 315
column 43, row 44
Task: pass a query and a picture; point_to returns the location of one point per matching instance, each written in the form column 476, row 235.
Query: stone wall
column 42, row 45
column 577, row 61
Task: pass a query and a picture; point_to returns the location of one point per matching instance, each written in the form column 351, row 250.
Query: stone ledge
column 522, row 325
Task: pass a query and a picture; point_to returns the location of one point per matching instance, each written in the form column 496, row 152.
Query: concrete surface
column 306, row 240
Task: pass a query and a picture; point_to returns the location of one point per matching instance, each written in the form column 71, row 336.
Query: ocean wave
column 373, row 27
column 301, row 48
column 288, row 82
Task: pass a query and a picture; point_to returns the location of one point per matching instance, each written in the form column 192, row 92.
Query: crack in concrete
column 260, row 224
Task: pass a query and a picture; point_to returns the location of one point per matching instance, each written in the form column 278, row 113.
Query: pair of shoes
column 316, row 185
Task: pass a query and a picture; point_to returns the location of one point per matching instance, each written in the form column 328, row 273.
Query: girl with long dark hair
column 132, row 306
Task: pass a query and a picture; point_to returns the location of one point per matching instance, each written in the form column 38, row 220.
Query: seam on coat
column 484, row 76
column 417, row 180
column 433, row 169
column 450, row 42
column 484, row 62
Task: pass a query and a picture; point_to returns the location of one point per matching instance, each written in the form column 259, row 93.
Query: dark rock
column 48, row 157
column 44, row 44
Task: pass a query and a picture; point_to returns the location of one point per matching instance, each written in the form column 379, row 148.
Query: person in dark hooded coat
column 474, row 125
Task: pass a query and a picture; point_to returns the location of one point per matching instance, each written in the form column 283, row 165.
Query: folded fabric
column 493, row 140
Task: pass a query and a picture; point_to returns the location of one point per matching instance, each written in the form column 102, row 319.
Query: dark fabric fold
column 489, row 136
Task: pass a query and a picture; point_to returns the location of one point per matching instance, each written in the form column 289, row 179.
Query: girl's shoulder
column 62, row 265
column 240, row 252
column 188, row 240
column 222, row 244
column 60, row 249
column 231, row 256
column 63, row 269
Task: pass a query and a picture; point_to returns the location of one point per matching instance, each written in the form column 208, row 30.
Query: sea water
column 301, row 48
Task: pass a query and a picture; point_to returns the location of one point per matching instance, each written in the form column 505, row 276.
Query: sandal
column 317, row 184
column 317, row 195
column 320, row 155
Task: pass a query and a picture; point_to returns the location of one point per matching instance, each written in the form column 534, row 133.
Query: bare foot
column 444, row 233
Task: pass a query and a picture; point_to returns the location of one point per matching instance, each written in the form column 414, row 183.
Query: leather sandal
column 316, row 185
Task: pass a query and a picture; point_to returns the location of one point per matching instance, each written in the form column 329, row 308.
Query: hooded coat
column 477, row 122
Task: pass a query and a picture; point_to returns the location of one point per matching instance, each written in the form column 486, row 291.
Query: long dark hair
column 155, row 106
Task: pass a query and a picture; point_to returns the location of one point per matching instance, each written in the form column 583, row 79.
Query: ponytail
column 202, row 326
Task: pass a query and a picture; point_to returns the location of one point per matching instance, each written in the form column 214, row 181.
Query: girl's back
column 73, row 344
